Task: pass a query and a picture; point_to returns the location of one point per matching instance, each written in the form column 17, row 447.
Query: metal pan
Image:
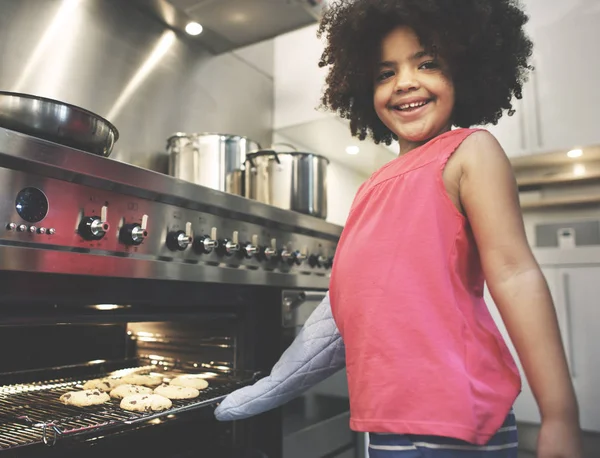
column 57, row 122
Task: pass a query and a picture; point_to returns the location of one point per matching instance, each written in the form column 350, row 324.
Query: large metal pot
column 292, row 180
column 57, row 122
column 212, row 160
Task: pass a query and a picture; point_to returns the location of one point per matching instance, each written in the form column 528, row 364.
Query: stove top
column 64, row 211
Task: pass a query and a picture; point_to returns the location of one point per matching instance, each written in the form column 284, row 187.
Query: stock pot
column 294, row 180
column 212, row 160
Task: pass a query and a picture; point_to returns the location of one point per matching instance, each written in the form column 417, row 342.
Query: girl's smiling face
column 413, row 96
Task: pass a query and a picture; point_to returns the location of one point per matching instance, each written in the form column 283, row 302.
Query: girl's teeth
column 412, row 105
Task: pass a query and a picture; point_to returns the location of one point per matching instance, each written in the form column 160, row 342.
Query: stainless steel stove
column 70, row 212
column 108, row 267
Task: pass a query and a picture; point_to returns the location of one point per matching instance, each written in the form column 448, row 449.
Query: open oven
column 109, row 270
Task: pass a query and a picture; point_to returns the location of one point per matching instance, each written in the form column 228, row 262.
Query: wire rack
column 32, row 413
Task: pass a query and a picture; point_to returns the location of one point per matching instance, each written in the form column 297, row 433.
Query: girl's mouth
column 410, row 107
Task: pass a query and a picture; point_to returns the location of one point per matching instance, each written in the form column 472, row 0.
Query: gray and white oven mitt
column 316, row 353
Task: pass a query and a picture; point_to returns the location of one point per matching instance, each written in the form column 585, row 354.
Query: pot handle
column 289, row 145
column 263, row 151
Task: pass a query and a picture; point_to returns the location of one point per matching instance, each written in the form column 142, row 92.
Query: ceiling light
column 579, row 170
column 575, row 153
column 352, row 150
column 193, row 28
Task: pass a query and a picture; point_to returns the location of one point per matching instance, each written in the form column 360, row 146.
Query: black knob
column 92, row 228
column 328, row 263
column 204, row 244
column 248, row 251
column 287, row 256
column 226, row 247
column 178, row 241
column 314, row 260
column 132, row 234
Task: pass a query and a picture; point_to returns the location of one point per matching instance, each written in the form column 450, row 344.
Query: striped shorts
column 502, row 445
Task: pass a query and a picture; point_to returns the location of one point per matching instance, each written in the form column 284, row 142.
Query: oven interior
column 47, row 354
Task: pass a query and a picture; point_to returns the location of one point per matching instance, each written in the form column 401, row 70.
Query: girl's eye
column 385, row 75
column 429, row 65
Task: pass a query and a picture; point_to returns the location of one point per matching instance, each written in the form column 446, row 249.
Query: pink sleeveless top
column 423, row 354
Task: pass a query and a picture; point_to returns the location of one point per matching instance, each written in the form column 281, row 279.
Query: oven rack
column 32, row 413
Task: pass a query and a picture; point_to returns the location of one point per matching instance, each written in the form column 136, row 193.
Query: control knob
column 288, row 256
column 206, row 244
column 250, row 249
column 94, row 227
column 229, row 247
column 316, row 260
column 180, row 240
column 301, row 256
column 134, row 233
column 268, row 253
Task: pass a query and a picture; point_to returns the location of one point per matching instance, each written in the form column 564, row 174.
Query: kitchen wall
column 117, row 61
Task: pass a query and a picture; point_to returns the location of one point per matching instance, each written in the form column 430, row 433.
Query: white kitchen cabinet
column 579, row 295
column 565, row 95
column 561, row 102
column 576, row 295
column 510, row 131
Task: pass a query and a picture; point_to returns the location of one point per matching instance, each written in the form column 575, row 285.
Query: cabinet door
column 565, row 82
column 580, row 292
column 510, row 131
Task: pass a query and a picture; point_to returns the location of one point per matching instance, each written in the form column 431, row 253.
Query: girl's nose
column 406, row 81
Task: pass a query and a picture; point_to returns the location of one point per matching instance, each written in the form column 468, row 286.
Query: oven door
column 315, row 424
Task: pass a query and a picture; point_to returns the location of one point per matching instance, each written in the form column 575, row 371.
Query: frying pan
column 57, row 122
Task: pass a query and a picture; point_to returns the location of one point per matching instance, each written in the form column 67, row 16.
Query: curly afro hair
column 481, row 41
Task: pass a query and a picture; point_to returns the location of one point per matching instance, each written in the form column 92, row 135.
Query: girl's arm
column 489, row 197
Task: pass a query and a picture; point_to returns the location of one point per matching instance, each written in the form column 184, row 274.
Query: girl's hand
column 559, row 439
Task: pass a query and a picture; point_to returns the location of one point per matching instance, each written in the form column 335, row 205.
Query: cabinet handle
column 567, row 296
column 536, row 109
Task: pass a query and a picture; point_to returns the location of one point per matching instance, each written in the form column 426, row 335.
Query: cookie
column 190, row 381
column 176, row 392
column 127, row 389
column 146, row 380
column 102, row 384
column 84, row 398
column 145, row 403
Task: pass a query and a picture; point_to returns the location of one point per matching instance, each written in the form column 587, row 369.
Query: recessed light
column 579, row 170
column 193, row 28
column 575, row 153
column 352, row 150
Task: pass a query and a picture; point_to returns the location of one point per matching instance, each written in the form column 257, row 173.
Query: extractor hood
column 232, row 24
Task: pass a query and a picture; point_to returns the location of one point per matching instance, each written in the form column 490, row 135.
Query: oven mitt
column 316, row 353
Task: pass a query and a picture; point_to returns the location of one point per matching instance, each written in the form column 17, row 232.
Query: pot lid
column 271, row 152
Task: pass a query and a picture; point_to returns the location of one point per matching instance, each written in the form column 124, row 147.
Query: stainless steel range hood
column 232, row 24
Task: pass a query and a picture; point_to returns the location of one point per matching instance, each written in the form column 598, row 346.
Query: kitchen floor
column 526, row 455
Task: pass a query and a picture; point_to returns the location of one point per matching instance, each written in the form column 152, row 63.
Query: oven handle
column 291, row 316
column 302, row 297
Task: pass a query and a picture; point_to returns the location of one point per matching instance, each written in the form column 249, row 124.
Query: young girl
column 429, row 373
column 426, row 364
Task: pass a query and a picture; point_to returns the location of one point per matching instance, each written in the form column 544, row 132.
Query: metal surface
column 321, row 439
column 57, row 122
column 141, row 76
column 211, row 160
column 72, row 187
column 291, row 181
column 231, row 24
column 37, row 405
column 297, row 306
